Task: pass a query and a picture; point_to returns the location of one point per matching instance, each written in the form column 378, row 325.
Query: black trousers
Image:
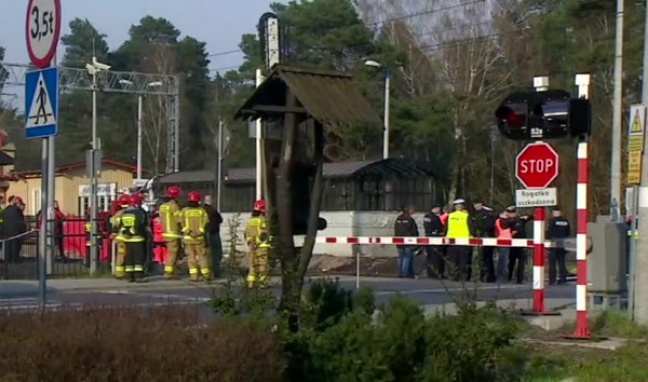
column 436, row 259
column 488, row 264
column 461, row 258
column 135, row 258
column 557, row 257
column 518, row 255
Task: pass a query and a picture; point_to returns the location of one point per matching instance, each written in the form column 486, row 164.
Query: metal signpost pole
column 615, row 170
column 42, row 31
column 94, row 254
column 636, row 132
column 219, row 183
column 139, row 137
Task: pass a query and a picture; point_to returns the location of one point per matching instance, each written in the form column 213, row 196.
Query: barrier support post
column 582, row 331
column 539, row 252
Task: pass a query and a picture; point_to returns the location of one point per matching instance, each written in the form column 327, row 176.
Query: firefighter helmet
column 136, row 200
column 260, row 205
column 194, row 197
column 174, row 192
column 124, row 200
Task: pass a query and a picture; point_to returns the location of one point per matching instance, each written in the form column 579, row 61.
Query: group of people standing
column 194, row 229
column 502, row 263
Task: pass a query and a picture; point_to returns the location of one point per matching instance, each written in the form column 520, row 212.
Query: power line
column 377, row 23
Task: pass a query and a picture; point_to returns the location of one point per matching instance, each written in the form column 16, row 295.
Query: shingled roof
column 329, row 97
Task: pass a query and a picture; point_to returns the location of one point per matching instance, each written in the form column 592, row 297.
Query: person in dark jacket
column 405, row 226
column 59, row 222
column 14, row 225
column 435, row 253
column 484, row 223
column 558, row 229
column 517, row 224
column 213, row 235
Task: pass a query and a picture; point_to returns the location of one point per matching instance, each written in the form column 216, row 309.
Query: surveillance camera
column 91, row 69
column 101, row 66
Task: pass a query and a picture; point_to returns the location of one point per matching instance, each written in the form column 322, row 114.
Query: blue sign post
column 41, row 103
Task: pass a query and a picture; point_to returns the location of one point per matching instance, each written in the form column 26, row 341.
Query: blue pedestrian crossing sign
column 41, row 103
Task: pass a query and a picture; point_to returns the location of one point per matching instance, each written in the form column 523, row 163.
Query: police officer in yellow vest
column 133, row 225
column 257, row 237
column 170, row 219
column 194, row 222
column 459, row 226
column 115, row 221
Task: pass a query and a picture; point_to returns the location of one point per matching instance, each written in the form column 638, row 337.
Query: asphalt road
column 159, row 292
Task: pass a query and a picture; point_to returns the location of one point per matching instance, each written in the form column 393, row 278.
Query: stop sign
column 536, row 166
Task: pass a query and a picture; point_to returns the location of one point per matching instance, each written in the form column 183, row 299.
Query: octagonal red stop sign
column 536, row 166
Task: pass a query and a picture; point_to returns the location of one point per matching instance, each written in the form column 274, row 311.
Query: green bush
column 342, row 342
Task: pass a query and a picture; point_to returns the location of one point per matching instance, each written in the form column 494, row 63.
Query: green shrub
column 343, row 343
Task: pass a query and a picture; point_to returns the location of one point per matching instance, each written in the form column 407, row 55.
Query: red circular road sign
column 42, row 30
column 536, row 166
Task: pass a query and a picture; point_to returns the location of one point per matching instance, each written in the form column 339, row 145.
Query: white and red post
column 539, row 260
column 539, row 217
column 582, row 320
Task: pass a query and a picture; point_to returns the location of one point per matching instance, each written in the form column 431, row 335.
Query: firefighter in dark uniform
column 435, row 253
column 405, row 226
column 460, row 226
column 558, row 229
column 485, row 227
column 133, row 226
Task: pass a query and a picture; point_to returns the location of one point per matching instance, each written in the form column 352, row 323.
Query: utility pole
column 615, row 170
column 641, row 262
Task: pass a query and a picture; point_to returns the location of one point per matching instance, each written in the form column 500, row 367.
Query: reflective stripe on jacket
column 257, row 233
column 169, row 218
column 194, row 219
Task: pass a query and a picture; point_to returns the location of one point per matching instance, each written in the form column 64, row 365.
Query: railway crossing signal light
column 543, row 115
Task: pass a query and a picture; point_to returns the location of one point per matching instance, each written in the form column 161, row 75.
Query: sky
column 219, row 23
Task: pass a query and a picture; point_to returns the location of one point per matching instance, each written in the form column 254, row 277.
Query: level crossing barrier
column 568, row 244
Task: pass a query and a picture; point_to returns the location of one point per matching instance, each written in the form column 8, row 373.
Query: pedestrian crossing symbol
column 41, row 103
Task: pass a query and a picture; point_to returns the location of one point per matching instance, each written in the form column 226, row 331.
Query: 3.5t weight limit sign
column 536, row 166
column 43, row 28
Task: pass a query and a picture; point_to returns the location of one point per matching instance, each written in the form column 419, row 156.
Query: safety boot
column 194, row 278
column 139, row 277
column 170, row 276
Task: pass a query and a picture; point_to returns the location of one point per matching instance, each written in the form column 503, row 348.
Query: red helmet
column 260, row 205
column 136, row 200
column 124, row 201
column 194, row 197
column 174, row 192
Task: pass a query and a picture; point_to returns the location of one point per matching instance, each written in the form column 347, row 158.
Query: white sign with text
column 103, row 189
column 546, row 197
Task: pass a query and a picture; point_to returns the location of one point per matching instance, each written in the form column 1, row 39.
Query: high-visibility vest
column 503, row 234
column 194, row 219
column 169, row 217
column 458, row 225
column 444, row 218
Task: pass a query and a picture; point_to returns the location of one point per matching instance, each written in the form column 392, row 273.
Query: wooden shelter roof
column 327, row 96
